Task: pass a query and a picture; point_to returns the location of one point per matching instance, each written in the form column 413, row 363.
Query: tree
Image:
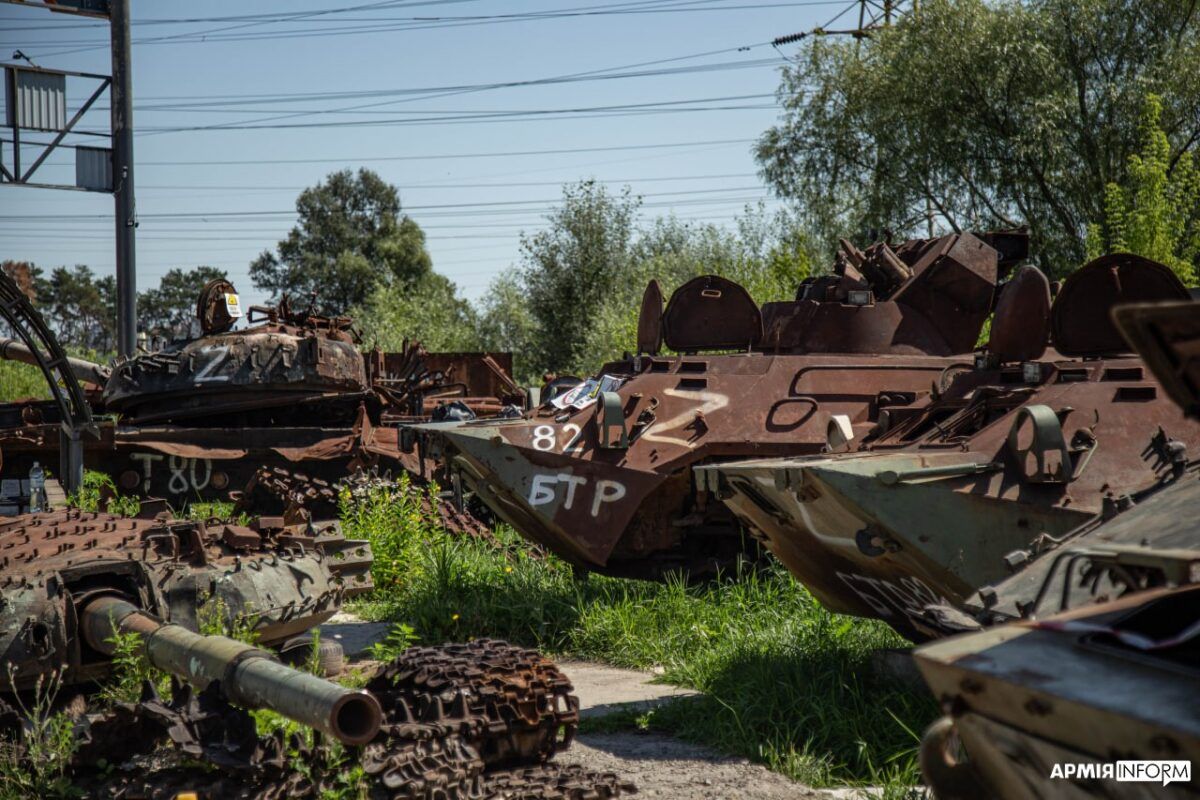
column 1156, row 213
column 172, row 305
column 505, row 323
column 569, row 266
column 574, row 302
column 973, row 114
column 350, row 239
column 81, row 308
column 429, row 311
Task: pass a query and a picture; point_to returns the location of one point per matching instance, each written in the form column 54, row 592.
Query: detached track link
column 513, row 706
column 555, row 782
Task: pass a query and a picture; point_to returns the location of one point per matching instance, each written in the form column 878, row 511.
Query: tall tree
column 351, row 238
column 974, row 114
column 172, row 306
column 571, row 264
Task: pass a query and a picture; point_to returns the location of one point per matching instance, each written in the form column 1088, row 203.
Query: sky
column 239, row 106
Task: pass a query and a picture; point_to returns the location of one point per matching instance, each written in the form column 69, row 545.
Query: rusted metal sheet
column 606, row 483
column 1066, row 690
column 960, row 489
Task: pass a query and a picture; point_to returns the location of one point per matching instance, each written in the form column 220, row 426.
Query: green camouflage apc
column 601, row 474
column 906, row 519
column 1103, row 669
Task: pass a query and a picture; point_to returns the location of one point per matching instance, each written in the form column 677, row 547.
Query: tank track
column 510, row 704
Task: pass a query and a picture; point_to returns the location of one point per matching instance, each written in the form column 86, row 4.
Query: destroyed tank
column 195, row 419
column 908, row 518
column 1102, row 672
column 601, row 473
column 473, row 720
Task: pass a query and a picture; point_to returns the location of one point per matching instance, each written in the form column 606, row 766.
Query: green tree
column 351, row 238
column 1156, row 213
column 972, row 114
column 80, row 308
column 429, row 311
column 572, row 264
column 505, row 323
column 173, row 304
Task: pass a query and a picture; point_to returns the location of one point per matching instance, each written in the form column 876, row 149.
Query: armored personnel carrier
column 194, row 419
column 601, row 474
column 1095, row 692
column 1017, row 448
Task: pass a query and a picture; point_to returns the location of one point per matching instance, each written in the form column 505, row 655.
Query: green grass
column 784, row 681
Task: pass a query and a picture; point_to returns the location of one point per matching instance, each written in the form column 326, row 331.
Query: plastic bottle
column 37, row 488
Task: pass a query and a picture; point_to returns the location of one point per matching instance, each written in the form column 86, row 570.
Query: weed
column 131, row 670
column 214, row 618
column 99, row 493
column 36, row 765
column 399, row 638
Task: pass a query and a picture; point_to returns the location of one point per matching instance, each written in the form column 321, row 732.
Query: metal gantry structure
column 35, row 100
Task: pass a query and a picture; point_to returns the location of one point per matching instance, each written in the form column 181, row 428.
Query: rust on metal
column 990, row 473
column 605, row 481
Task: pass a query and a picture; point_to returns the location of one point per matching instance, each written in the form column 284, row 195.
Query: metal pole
column 122, row 136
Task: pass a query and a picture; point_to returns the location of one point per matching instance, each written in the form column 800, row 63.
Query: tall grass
column 784, row 681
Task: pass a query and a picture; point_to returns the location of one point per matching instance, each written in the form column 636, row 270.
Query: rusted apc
column 601, row 474
column 907, row 518
column 195, row 419
column 1103, row 670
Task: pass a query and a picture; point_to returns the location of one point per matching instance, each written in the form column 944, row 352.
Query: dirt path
column 660, row 766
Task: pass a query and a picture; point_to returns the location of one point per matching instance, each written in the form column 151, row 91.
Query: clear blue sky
column 241, row 70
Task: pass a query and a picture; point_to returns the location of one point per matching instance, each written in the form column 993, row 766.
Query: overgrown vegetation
column 37, row 765
column 974, row 113
column 784, row 681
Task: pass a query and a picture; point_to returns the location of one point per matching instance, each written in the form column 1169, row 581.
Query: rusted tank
column 195, row 419
column 286, row 579
column 906, row 520
column 602, row 474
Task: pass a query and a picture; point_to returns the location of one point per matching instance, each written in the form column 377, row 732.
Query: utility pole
column 872, row 15
column 123, row 197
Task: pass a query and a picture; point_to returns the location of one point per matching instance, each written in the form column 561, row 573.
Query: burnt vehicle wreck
column 988, row 474
column 1097, row 664
column 601, row 474
column 196, row 419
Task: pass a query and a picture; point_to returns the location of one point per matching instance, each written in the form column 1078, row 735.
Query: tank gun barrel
column 248, row 676
column 15, row 350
